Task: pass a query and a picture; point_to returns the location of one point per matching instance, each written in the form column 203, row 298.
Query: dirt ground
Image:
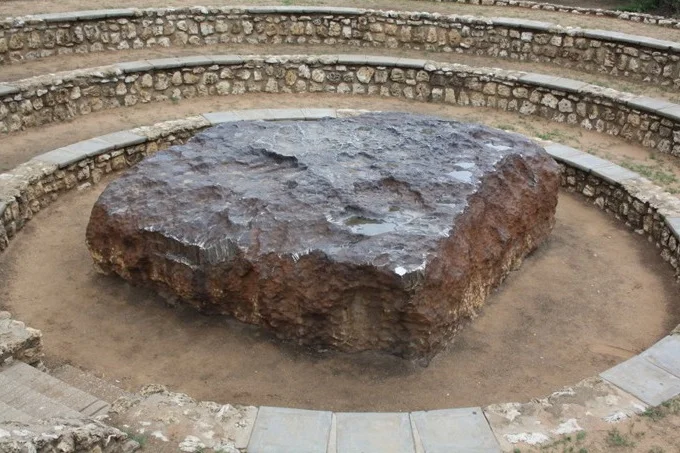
column 592, row 296
column 22, row 7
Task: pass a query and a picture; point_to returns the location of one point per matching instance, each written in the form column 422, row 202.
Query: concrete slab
column 315, row 114
column 553, row 83
column 647, row 104
column 587, row 162
column 671, row 112
column 221, row 117
column 60, row 157
column 196, row 60
column 615, row 174
column 411, row 63
column 523, row 23
column 89, row 148
column 374, row 433
column 94, row 14
column 281, row 430
column 10, row 414
column 375, row 60
column 285, row 114
column 57, row 17
column 665, row 354
column 672, row 222
column 448, row 430
column 123, row 139
column 165, row 63
column 644, row 380
column 8, row 90
column 130, row 67
column 560, row 152
column 226, row 59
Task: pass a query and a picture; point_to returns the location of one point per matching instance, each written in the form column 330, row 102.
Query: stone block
column 674, row 224
column 644, row 380
column 121, row 12
column 382, row 61
column 315, row 114
column 123, row 139
column 60, row 157
column 352, row 60
column 374, row 432
column 671, row 112
column 57, row 17
column 561, row 152
column 8, row 90
column 586, row 162
column 665, row 354
column 279, row 430
column 615, row 174
column 286, row 114
column 165, row 63
column 465, row 429
column 523, row 23
column 227, row 59
column 647, row 104
column 130, row 67
column 411, row 63
column 196, row 60
column 89, row 148
column 94, row 14
column 221, row 117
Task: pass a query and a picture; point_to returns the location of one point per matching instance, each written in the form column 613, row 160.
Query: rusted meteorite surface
column 378, row 232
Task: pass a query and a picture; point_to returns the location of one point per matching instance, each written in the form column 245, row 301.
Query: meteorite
column 382, row 231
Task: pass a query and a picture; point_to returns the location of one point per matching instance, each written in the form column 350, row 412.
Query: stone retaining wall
column 623, row 15
column 635, row 57
column 58, row 98
column 17, row 341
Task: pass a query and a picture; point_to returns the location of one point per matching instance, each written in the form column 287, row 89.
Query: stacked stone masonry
column 634, row 57
column 58, row 98
column 661, row 21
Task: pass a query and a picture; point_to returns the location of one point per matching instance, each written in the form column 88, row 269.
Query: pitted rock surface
column 381, row 231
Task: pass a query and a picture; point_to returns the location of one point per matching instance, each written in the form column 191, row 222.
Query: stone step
column 88, row 383
column 10, row 414
column 23, row 398
column 40, row 395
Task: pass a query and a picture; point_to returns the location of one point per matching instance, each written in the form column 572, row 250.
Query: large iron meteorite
column 377, row 232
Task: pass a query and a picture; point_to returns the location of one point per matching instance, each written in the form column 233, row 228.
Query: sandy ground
column 28, row 69
column 592, row 296
column 21, row 7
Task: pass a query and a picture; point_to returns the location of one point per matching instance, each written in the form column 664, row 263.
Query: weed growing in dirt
column 139, row 438
column 556, row 135
column 616, row 439
column 655, row 172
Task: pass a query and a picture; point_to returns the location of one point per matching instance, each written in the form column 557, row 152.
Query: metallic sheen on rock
column 381, row 231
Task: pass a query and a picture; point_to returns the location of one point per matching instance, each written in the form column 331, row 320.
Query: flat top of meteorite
column 380, row 188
